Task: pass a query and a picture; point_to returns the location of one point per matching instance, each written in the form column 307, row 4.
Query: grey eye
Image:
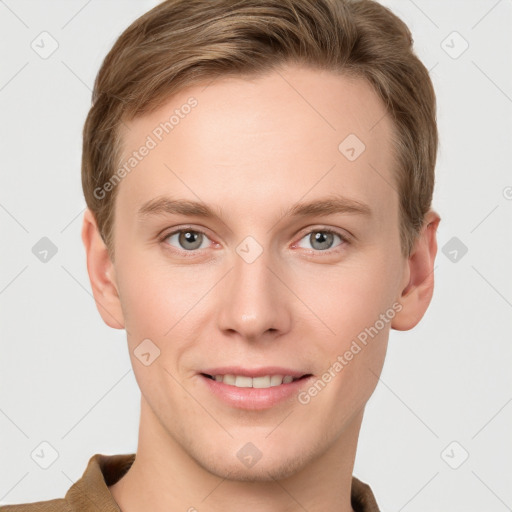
column 187, row 239
column 321, row 240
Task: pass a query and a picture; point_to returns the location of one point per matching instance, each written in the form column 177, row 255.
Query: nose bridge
column 254, row 301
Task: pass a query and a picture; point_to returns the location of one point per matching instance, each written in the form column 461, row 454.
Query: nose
column 255, row 305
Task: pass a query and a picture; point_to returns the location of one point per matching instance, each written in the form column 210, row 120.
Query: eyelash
column 191, row 254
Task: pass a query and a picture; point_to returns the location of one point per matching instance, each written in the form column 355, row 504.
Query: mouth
column 255, row 389
column 261, row 382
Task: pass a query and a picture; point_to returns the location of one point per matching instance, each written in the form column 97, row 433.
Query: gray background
column 66, row 378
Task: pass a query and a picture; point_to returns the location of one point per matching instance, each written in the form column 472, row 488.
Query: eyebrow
column 324, row 206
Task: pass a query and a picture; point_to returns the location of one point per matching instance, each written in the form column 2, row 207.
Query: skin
column 250, row 150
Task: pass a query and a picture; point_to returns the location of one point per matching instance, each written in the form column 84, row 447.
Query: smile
column 254, row 389
column 243, row 381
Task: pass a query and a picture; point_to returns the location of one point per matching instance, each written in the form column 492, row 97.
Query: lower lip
column 254, row 398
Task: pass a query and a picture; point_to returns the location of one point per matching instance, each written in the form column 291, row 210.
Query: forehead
column 292, row 132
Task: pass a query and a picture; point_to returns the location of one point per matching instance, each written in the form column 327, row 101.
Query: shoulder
column 363, row 499
column 88, row 494
column 58, row 505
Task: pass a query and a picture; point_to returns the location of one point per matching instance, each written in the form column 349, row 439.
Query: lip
column 254, row 372
column 254, row 398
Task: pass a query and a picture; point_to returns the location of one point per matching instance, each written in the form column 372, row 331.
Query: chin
column 267, row 469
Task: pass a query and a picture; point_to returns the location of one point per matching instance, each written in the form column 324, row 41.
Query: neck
column 165, row 477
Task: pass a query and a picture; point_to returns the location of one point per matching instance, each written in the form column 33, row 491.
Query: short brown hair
column 180, row 43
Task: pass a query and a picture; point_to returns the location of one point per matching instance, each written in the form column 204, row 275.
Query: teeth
column 276, row 380
column 266, row 381
column 262, row 382
column 243, row 382
column 228, row 379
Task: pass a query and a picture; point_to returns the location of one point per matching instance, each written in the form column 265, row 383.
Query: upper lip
column 254, row 372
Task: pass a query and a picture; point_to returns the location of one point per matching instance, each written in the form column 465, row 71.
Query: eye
column 187, row 239
column 322, row 239
column 190, row 240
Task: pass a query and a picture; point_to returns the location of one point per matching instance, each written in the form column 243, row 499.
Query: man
column 259, row 178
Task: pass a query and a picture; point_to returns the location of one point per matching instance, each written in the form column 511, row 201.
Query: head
column 304, row 132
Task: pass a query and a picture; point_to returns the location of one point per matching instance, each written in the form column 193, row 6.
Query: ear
column 101, row 273
column 419, row 276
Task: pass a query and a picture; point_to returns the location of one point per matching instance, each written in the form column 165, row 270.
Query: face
column 254, row 242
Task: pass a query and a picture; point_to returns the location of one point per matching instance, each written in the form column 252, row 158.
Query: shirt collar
column 90, row 493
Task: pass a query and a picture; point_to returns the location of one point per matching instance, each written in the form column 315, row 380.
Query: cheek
column 166, row 304
column 156, row 300
column 149, row 305
column 154, row 294
column 350, row 300
column 347, row 298
column 352, row 360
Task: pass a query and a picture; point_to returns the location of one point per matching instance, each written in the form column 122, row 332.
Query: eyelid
column 167, row 232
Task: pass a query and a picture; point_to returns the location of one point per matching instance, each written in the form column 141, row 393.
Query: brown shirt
column 91, row 494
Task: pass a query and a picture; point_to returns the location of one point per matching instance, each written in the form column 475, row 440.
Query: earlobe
column 417, row 294
column 101, row 273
